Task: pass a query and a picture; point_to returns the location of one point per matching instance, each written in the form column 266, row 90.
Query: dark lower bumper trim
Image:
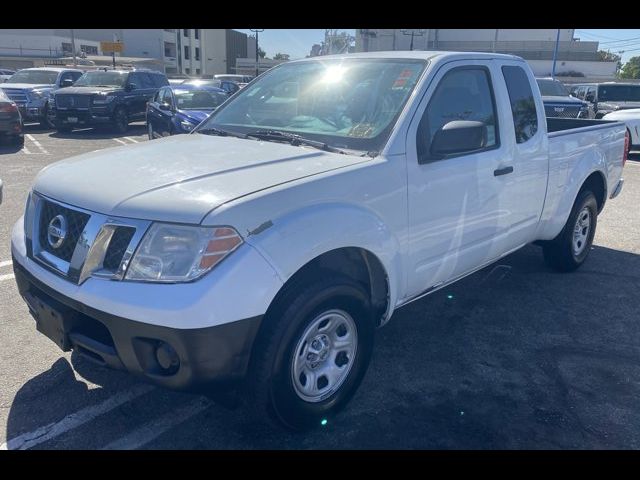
column 218, row 354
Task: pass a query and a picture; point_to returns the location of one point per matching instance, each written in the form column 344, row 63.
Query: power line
column 595, row 35
column 624, row 40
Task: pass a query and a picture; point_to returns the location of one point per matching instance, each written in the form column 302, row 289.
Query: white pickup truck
column 269, row 244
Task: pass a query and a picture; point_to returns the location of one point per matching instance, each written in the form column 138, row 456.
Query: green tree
column 631, row 69
column 261, row 53
column 281, row 56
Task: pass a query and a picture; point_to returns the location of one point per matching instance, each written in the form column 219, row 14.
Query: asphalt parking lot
column 515, row 356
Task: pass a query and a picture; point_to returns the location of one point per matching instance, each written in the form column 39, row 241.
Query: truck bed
column 557, row 125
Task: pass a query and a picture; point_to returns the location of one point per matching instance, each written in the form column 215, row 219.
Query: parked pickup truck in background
column 608, row 97
column 30, row 89
column 558, row 102
column 267, row 246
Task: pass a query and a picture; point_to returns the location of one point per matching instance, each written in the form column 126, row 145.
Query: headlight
column 181, row 253
column 188, row 126
column 103, row 99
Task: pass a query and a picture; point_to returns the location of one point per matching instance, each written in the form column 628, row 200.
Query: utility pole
column 73, row 48
column 257, row 31
column 412, row 33
column 495, row 41
column 113, row 54
column 555, row 55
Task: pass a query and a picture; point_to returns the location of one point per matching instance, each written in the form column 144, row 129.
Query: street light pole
column 257, row 31
column 413, row 33
column 555, row 55
column 73, row 47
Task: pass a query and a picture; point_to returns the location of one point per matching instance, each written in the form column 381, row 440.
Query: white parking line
column 27, row 151
column 157, row 427
column 131, row 139
column 8, row 276
column 6, row 263
column 120, row 141
column 37, row 144
column 46, row 433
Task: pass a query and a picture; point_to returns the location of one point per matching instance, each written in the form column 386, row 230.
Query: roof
column 414, row 54
column 53, row 69
column 191, row 86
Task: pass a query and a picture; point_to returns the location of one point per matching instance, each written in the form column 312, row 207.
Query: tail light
column 627, row 146
column 8, row 107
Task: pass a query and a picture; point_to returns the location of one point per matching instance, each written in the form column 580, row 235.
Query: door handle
column 502, row 171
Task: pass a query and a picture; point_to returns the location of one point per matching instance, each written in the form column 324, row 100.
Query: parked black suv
column 112, row 97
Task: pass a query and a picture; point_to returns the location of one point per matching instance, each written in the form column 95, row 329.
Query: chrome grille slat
column 72, row 101
column 567, row 111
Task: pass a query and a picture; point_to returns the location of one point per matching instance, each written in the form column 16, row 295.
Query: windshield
column 106, row 79
column 198, row 99
column 345, row 103
column 552, row 88
column 36, row 77
column 619, row 93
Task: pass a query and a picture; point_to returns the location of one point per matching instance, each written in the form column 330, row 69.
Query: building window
column 197, row 53
column 196, row 32
column 185, row 32
column 197, row 71
column 66, row 48
column 89, row 49
column 186, row 52
column 187, row 70
column 170, row 30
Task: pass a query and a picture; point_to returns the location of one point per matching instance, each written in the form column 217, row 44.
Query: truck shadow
column 514, row 356
column 101, row 133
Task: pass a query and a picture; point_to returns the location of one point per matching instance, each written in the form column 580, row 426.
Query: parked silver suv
column 30, row 88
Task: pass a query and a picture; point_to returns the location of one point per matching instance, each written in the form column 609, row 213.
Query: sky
column 297, row 42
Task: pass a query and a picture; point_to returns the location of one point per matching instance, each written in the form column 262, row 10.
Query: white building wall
column 213, row 51
column 593, row 70
column 38, row 42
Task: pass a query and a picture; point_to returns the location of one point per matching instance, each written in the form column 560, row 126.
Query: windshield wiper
column 220, row 133
column 293, row 139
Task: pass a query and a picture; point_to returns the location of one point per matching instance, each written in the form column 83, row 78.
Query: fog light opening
column 167, row 358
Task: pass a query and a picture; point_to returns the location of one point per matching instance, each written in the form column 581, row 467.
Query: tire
column 275, row 386
column 18, row 141
column 566, row 253
column 150, row 130
column 120, row 120
column 64, row 129
column 45, row 122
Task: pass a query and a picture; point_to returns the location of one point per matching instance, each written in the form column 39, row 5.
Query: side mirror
column 589, row 97
column 67, row 82
column 130, row 86
column 458, row 136
column 165, row 107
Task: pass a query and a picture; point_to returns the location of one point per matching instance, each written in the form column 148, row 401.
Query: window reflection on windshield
column 350, row 103
column 552, row 88
column 113, row 79
column 34, row 77
column 198, row 99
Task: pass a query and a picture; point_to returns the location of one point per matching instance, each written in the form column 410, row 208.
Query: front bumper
column 618, row 189
column 197, row 357
column 82, row 118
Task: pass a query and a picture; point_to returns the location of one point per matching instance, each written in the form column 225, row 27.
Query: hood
column 562, row 100
column 180, row 178
column 85, row 90
column 25, row 86
column 196, row 116
column 625, row 113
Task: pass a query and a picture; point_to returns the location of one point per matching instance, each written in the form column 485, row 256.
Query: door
column 457, row 204
column 153, row 113
column 524, row 137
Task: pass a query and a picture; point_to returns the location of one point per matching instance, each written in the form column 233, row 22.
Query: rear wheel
column 311, row 354
column 571, row 247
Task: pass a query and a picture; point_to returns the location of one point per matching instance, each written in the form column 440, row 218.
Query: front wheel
column 571, row 247
column 312, row 353
column 121, row 120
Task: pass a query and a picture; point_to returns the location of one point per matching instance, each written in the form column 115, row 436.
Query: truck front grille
column 562, row 111
column 117, row 248
column 72, row 101
column 16, row 95
column 74, row 222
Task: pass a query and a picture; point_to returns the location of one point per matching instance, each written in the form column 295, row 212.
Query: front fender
column 301, row 235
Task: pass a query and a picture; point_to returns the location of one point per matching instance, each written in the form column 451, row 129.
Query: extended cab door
column 458, row 203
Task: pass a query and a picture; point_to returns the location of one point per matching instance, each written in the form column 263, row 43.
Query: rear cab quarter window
column 523, row 105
